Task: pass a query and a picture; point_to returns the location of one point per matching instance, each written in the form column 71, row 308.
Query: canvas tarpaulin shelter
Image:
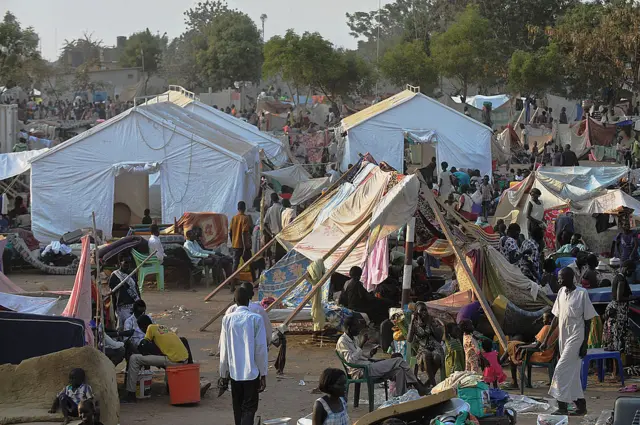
column 229, row 125
column 501, row 115
column 573, row 108
column 289, row 176
column 581, row 190
column 16, row 163
column 306, row 190
column 380, row 130
column 201, row 169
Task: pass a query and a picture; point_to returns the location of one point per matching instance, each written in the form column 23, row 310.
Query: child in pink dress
column 493, row 373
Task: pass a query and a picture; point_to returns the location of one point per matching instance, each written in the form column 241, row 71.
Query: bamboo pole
column 476, row 288
column 98, row 318
column 327, row 275
column 301, row 279
column 268, row 244
column 408, row 262
column 218, row 314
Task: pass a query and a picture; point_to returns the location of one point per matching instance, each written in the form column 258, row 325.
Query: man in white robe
column 573, row 312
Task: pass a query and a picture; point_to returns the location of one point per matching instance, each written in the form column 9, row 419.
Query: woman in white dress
column 573, row 312
column 445, row 186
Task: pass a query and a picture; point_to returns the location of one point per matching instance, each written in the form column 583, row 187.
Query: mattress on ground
column 39, row 335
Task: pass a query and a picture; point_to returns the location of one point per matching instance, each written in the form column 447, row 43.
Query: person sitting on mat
column 72, row 395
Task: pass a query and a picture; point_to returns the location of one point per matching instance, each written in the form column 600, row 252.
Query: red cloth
column 79, row 304
column 494, row 371
column 214, row 227
column 550, row 217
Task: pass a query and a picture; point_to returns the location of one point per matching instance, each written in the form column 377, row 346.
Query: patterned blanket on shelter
column 214, row 227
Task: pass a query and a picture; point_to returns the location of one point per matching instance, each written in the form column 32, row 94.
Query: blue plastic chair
column 151, row 266
column 600, row 355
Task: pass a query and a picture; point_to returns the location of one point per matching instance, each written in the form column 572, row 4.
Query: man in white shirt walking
column 155, row 244
column 243, row 358
column 255, row 307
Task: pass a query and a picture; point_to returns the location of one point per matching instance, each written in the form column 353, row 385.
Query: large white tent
column 233, row 127
column 380, row 130
column 201, row 169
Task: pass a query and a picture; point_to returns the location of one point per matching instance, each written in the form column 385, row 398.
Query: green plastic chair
column 150, row 267
column 366, row 379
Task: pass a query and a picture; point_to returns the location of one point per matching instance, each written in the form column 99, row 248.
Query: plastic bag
column 553, row 420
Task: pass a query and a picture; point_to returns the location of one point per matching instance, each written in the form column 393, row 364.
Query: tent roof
column 175, row 119
column 404, row 96
column 224, row 122
column 377, row 108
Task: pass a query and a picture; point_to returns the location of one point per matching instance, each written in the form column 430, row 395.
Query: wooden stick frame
column 461, row 258
column 327, row 275
column 268, row 244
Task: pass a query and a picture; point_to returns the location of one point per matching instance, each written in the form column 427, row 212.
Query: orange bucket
column 184, row 383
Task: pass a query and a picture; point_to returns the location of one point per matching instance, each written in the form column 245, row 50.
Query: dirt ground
column 287, row 396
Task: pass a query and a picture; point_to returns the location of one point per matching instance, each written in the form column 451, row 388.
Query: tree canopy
column 18, row 51
column 408, row 63
column 464, row 51
column 144, row 45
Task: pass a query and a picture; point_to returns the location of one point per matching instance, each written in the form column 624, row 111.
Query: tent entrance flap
column 422, row 144
column 131, row 192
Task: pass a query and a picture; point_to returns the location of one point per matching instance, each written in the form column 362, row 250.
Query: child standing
column 331, row 409
column 71, row 396
column 493, row 373
column 470, row 345
column 454, row 356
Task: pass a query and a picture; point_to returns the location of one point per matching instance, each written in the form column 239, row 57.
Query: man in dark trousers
column 428, row 172
column 569, row 157
column 243, row 358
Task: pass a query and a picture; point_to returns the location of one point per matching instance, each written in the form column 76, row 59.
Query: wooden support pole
column 408, row 262
column 324, row 258
column 98, row 318
column 327, row 275
column 268, row 244
column 302, row 278
column 237, row 272
column 218, row 315
column 461, row 258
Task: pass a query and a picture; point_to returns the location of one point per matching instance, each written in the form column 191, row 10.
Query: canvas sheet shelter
column 573, row 108
column 582, row 189
column 306, row 190
column 201, row 169
column 289, row 176
column 231, row 126
column 380, row 130
column 501, row 116
column 32, row 305
column 15, row 163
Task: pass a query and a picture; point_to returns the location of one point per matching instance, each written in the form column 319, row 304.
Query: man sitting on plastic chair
column 160, row 347
column 395, row 369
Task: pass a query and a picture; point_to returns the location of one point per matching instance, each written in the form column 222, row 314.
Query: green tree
column 465, row 52
column 535, row 73
column 282, row 60
column 18, row 52
column 228, row 49
column 309, row 62
column 144, row 50
column 87, row 46
column 178, row 64
column 599, row 43
column 200, row 16
column 408, row 63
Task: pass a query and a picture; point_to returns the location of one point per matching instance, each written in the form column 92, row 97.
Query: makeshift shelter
column 201, row 170
column 503, row 110
column 289, row 176
column 381, row 128
column 581, row 190
column 227, row 124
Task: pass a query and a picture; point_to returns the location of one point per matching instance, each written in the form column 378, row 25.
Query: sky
column 57, row 20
